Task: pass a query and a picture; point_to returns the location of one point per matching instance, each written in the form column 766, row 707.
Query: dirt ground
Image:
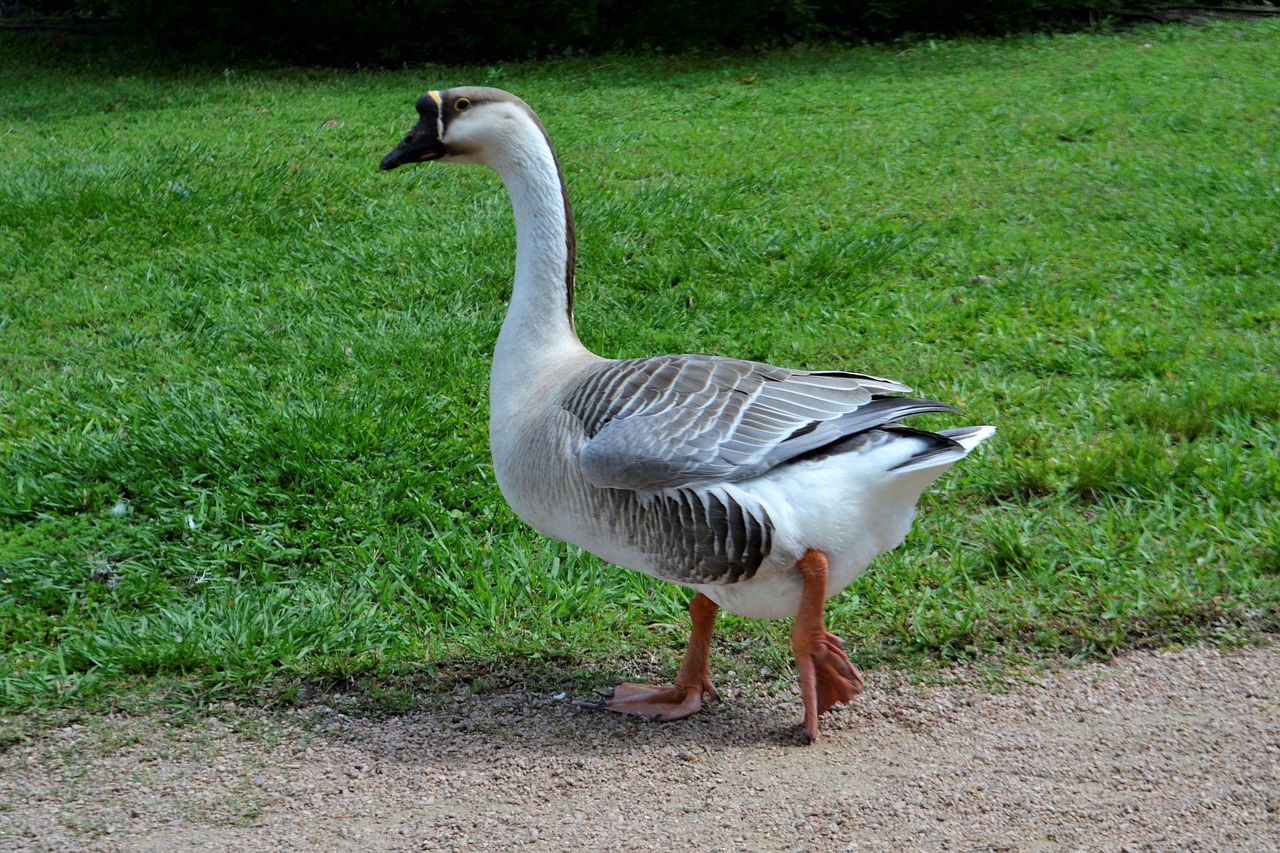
column 1163, row 751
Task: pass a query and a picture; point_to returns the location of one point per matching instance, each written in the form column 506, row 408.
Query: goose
column 764, row 490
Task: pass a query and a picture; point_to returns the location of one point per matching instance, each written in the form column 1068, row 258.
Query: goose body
column 570, row 468
column 764, row 489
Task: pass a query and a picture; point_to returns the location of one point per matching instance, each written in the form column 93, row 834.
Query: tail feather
column 948, row 447
column 969, row 437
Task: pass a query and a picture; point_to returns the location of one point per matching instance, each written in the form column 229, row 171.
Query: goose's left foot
column 827, row 677
column 684, row 697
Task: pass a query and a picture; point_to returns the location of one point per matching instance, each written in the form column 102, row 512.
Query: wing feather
column 675, row 421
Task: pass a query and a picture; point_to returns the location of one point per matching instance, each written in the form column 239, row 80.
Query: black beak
column 419, row 146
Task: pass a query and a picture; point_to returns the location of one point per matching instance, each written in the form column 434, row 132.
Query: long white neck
column 538, row 332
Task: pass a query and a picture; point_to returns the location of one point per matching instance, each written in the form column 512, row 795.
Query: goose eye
column 461, row 104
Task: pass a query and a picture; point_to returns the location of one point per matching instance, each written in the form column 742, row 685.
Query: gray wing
column 675, row 421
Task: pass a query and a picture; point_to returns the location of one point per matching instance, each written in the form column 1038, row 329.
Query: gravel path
column 1155, row 751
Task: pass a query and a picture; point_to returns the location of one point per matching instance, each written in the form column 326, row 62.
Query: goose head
column 461, row 125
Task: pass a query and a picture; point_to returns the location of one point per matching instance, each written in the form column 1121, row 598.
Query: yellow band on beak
column 435, row 96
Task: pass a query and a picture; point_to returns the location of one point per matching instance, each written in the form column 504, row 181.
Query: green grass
column 243, row 376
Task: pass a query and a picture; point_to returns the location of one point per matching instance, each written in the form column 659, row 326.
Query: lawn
column 243, row 374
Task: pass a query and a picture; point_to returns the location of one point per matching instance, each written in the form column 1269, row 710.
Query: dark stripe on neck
column 570, row 239
column 570, row 235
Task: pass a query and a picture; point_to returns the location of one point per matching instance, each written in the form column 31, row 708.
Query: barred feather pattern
column 703, row 536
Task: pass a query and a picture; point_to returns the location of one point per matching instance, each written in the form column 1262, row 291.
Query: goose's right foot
column 679, row 700
column 663, row 703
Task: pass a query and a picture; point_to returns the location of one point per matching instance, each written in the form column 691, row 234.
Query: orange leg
column 826, row 675
column 676, row 701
